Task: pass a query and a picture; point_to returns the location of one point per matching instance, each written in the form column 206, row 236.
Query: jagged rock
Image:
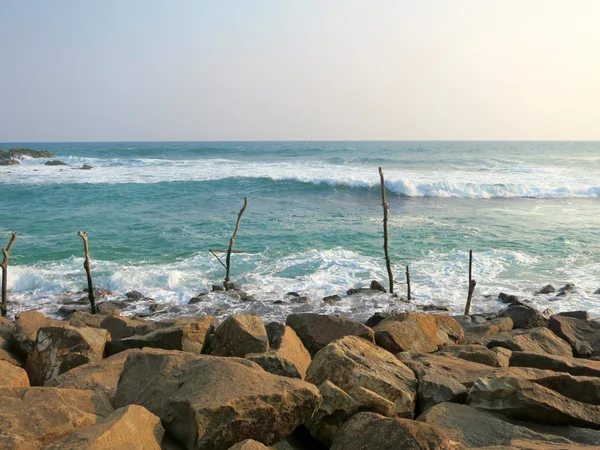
column 503, row 355
column 131, row 427
column 524, row 316
column 209, row 402
column 506, row 298
column 418, row 332
column 12, row 376
column 447, row 379
column 188, row 336
column 476, row 428
column 134, row 296
column 524, row 400
column 566, row 289
column 249, row 444
column 55, row 163
column 582, row 315
column 332, row 299
column 536, row 340
column 32, row 418
column 475, row 353
column 274, row 363
column 582, row 389
column 123, row 327
column 376, row 319
column 300, row 300
column 286, row 342
column 370, row 431
column 376, row 286
column 59, row 349
column 548, row 289
column 370, row 375
column 85, row 167
column 597, row 291
column 97, row 376
column 85, row 319
column 316, row 330
column 27, row 325
column 574, row 366
column 478, row 333
column 239, row 335
column 583, row 336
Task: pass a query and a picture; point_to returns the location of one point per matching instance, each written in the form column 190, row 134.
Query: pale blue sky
column 73, row 70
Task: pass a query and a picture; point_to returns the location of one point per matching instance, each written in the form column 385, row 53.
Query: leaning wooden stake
column 88, row 270
column 409, row 296
column 386, row 208
column 4, row 265
column 472, row 284
column 231, row 242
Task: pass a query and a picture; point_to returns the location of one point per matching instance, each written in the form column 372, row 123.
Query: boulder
column 475, row 353
column 275, row 363
column 376, row 286
column 85, row 319
column 62, row 348
column 131, row 427
column 100, row 375
column 27, row 325
column 523, row 400
column 239, row 335
column 582, row 335
column 370, row 431
column 317, row 330
column 12, row 376
column 566, row 289
column 583, row 315
column 418, row 332
column 503, row 355
column 188, row 337
column 370, row 375
column 285, row 342
column 506, row 298
column 35, row 417
column 332, row 299
column 582, row 389
column 548, row 289
column 536, row 340
column 123, row 327
column 477, row 333
column 249, row 444
column 475, row 428
column 376, row 319
column 524, row 316
column 574, row 366
column 7, row 351
column 55, row 162
column 17, row 152
column 209, row 402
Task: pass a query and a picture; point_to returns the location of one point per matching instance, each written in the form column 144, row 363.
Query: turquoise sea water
column 529, row 210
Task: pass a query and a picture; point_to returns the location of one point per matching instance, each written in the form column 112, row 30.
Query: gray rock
column 55, row 163
column 582, row 335
column 535, row 340
column 574, row 366
column 524, row 316
column 548, row 289
column 239, row 335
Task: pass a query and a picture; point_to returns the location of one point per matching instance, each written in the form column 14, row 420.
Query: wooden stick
column 386, row 208
column 4, row 265
column 88, row 270
column 408, row 284
column 231, row 242
column 472, row 284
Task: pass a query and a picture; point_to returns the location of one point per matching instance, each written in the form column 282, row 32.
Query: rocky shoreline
column 518, row 379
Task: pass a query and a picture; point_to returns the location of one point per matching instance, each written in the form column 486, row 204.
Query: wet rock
column 524, row 316
column 85, row 167
column 9, row 161
column 376, row 319
column 365, row 291
column 55, row 162
column 27, row 325
column 200, row 297
column 134, row 296
column 369, row 431
column 524, row 400
column 582, row 335
column 474, row 352
column 123, row 327
column 418, row 332
column 239, row 335
column 574, row 366
column 432, row 307
column 332, row 299
column 535, row 340
column 293, row 294
column 19, row 152
column 376, row 286
column 280, row 302
column 59, row 349
column 548, row 289
column 156, row 307
column 479, row 333
column 566, row 289
column 300, row 300
column 597, row 291
column 95, row 376
column 370, row 375
column 110, row 308
column 131, row 427
column 209, row 402
column 316, row 330
column 12, row 376
column 506, row 298
column 32, row 418
column 217, row 288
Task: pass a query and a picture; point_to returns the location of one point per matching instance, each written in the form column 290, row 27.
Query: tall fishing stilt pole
column 472, row 284
column 409, row 296
column 386, row 208
column 231, row 242
column 88, row 270
column 4, row 265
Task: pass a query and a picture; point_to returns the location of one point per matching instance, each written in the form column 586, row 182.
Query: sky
column 152, row 70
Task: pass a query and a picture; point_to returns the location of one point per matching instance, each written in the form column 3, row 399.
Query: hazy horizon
column 148, row 71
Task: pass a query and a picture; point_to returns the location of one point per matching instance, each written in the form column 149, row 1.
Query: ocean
column 530, row 211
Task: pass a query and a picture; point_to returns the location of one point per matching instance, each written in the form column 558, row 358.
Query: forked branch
column 227, row 283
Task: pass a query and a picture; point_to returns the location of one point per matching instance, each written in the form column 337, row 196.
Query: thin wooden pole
column 88, row 270
column 472, row 284
column 409, row 296
column 386, row 208
column 231, row 242
column 4, row 265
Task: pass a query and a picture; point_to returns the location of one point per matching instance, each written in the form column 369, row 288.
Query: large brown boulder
column 209, row 402
column 317, row 330
column 12, row 376
column 574, row 366
column 27, row 325
column 477, row 333
column 131, row 427
column 239, row 335
column 474, row 353
column 523, row 400
column 370, row 431
column 285, row 341
column 536, row 340
column 59, row 349
column 100, row 375
column 35, row 417
column 582, row 335
column 582, row 389
column 370, row 375
column 123, row 327
column 415, row 332
column 475, row 428
column 188, row 337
